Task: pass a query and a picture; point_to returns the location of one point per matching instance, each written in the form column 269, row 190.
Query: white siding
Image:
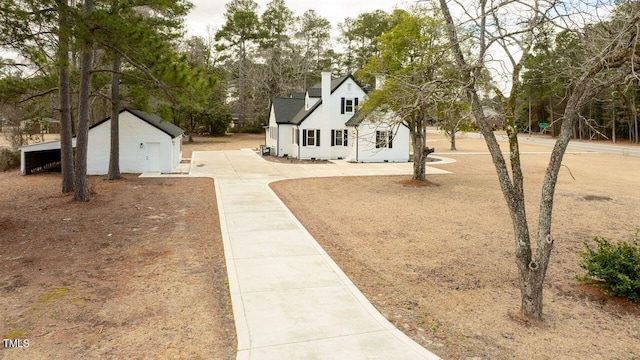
column 329, row 120
column 309, row 101
column 313, row 122
column 285, row 145
column 365, row 150
column 271, row 131
column 133, row 159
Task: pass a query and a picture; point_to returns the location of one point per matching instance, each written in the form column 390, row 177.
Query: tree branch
column 46, row 92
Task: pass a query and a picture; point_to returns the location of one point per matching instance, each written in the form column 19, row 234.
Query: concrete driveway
column 290, row 300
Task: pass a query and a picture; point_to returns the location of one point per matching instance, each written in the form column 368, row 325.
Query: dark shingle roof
column 302, row 114
column 287, row 104
column 286, row 109
column 355, row 120
column 152, row 119
column 297, row 95
column 316, row 90
column 158, row 122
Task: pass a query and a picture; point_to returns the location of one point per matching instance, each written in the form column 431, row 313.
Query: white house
column 147, row 144
column 381, row 138
column 321, row 124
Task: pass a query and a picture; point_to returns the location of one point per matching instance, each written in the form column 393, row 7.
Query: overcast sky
column 207, row 12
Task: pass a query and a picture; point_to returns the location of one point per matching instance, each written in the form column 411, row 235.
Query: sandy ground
column 438, row 260
column 227, row 142
column 138, row 272
column 4, row 142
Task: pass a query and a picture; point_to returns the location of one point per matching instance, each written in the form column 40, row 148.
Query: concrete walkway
column 290, row 300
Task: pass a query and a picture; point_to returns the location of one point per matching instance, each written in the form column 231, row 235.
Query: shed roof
column 152, row 119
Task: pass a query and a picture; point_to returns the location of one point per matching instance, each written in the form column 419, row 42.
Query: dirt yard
column 227, row 142
column 136, row 273
column 438, row 261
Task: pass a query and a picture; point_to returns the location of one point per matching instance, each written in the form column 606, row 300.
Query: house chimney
column 326, row 87
column 325, row 128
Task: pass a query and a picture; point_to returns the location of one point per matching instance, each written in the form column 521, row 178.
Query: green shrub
column 615, row 268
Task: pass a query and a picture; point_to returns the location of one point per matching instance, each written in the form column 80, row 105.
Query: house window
column 384, row 139
column 348, row 105
column 310, row 137
column 339, row 137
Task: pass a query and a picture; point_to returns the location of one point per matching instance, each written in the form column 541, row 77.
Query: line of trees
column 83, row 61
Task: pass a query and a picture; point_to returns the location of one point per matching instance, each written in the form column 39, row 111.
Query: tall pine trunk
column 241, row 86
column 66, row 132
column 114, row 150
column 81, row 188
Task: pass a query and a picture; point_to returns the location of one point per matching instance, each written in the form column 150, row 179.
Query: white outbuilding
column 147, row 144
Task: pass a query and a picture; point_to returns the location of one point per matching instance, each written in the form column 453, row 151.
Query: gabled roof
column 153, row 120
column 297, row 95
column 284, row 106
column 302, row 114
column 355, row 120
column 316, row 90
column 286, row 109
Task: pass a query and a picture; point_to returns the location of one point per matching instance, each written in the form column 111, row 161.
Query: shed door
column 153, row 156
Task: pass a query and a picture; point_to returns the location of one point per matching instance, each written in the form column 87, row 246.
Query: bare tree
column 511, row 26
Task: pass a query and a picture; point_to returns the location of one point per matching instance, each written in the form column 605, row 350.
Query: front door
column 153, row 156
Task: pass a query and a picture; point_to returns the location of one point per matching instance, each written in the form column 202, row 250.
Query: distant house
column 321, row 123
column 496, row 119
column 147, row 144
column 40, row 126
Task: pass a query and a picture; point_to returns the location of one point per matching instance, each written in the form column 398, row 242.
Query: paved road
column 290, row 300
column 574, row 145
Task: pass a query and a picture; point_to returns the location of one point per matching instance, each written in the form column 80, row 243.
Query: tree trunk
column 191, row 126
column 532, row 269
column 81, row 189
column 453, row 138
column 66, row 134
column 241, row 84
column 420, row 150
column 114, row 151
column 613, row 124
